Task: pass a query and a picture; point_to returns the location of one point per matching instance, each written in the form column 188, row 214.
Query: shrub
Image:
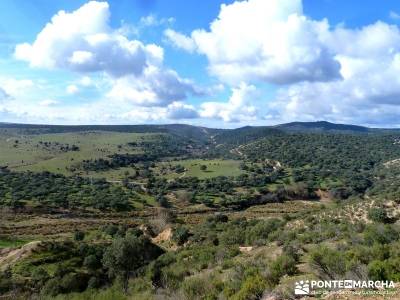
column 284, row 264
column 52, row 287
column 39, row 276
column 126, row 255
column 328, row 263
column 91, row 262
column 377, row 270
column 379, row 233
column 93, row 282
column 378, row 215
column 180, row 235
column 252, row 288
column 111, row 229
column 196, row 287
column 79, row 235
column 73, row 282
column 260, row 232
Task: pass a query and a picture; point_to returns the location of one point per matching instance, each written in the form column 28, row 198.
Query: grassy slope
column 215, row 167
column 29, row 155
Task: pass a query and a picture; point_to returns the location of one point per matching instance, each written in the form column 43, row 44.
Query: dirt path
column 141, row 184
column 10, row 256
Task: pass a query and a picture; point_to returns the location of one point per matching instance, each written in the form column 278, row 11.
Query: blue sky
column 261, row 62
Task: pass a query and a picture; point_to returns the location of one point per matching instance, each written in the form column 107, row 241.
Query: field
column 214, row 168
column 28, row 153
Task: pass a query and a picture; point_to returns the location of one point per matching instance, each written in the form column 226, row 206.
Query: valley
column 186, row 212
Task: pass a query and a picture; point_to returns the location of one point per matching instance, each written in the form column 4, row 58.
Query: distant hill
column 321, row 126
column 182, row 130
column 230, row 136
column 244, row 135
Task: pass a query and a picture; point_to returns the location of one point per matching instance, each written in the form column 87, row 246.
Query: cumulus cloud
column 83, row 41
column 339, row 74
column 157, row 87
column 269, row 41
column 237, row 109
column 180, row 40
column 174, row 111
column 369, row 91
column 179, row 110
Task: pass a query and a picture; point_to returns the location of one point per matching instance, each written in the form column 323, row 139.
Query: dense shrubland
column 231, row 254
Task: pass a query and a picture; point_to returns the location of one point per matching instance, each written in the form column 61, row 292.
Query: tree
column 126, row 255
column 203, row 167
column 79, row 235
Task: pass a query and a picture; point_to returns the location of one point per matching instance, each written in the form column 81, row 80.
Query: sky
column 211, row 63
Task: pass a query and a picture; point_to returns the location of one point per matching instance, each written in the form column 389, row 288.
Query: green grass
column 215, row 167
column 11, row 243
column 30, row 155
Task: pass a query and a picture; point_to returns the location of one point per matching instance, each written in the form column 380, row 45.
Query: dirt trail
column 141, row 184
column 164, row 236
column 10, row 256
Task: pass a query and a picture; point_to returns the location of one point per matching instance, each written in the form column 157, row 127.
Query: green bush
column 252, row 288
column 180, row 235
column 379, row 233
column 377, row 270
column 378, row 215
column 284, row 264
column 79, row 235
column 328, row 263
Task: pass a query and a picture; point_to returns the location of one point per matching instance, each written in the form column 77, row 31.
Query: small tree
column 203, row 167
column 79, row 235
column 126, row 255
column 181, row 235
column 378, row 215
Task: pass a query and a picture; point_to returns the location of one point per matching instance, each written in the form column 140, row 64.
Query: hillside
column 200, row 213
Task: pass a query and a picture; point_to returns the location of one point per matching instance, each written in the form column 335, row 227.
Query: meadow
column 213, row 168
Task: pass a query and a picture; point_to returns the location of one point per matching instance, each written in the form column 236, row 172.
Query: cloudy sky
column 213, row 63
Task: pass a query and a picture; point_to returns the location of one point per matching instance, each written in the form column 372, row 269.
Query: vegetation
column 182, row 212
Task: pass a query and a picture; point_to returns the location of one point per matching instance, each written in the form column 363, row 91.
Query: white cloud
column 157, row 87
column 394, row 15
column 16, row 87
column 262, row 40
column 48, row 102
column 3, row 94
column 83, row 41
column 369, row 91
column 237, row 109
column 86, row 81
column 180, row 40
column 339, row 74
column 180, row 110
column 72, row 89
column 152, row 20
